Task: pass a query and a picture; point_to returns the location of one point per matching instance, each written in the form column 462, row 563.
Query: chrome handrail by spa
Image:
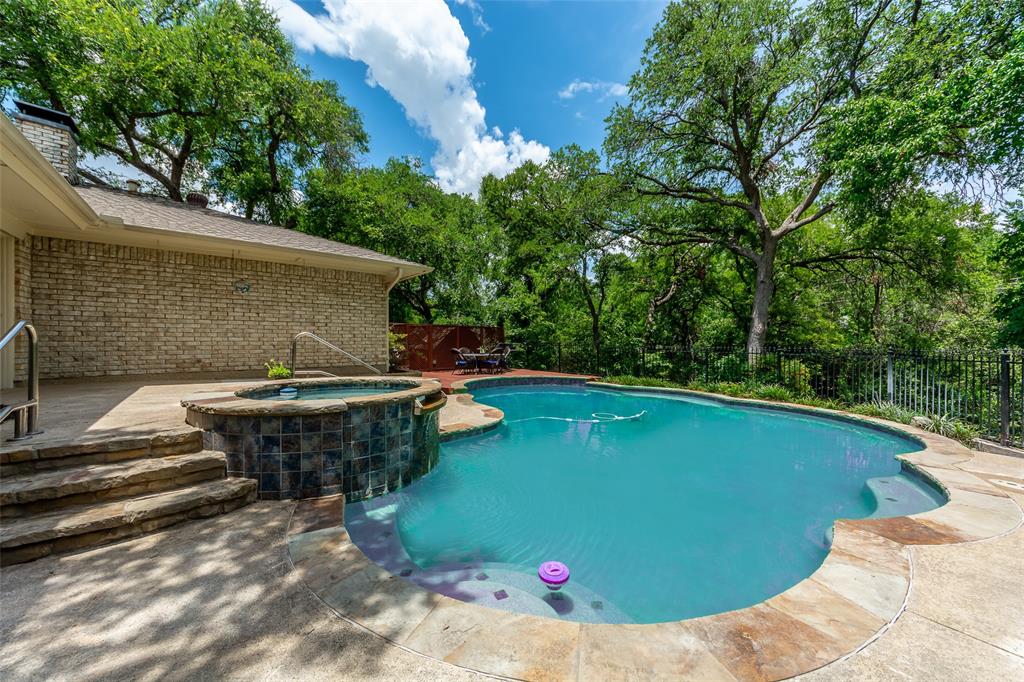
column 328, row 344
column 25, row 413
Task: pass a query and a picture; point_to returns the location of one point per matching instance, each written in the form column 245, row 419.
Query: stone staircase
column 67, row 497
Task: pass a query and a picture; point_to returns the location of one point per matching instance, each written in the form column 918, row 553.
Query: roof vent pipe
column 132, row 186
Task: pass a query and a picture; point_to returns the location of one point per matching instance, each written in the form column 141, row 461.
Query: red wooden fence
column 429, row 346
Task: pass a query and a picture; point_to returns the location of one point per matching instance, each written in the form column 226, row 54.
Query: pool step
column 51, row 489
column 38, row 535
column 897, row 496
column 23, row 460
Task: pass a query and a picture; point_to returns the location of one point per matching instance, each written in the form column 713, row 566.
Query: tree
column 179, row 89
column 1010, row 302
column 399, row 210
column 781, row 114
column 554, row 219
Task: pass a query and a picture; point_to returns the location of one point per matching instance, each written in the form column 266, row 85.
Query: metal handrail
column 328, row 344
column 26, row 414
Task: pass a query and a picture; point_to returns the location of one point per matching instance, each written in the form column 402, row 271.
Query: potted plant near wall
column 277, row 370
column 397, row 350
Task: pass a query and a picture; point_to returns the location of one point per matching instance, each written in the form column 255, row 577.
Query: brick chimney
column 53, row 133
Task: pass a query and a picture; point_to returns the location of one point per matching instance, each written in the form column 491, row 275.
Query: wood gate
column 429, row 346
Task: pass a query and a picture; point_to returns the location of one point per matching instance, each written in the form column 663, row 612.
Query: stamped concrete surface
column 212, row 599
column 96, row 410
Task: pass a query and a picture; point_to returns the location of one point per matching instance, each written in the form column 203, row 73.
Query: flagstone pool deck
column 276, row 590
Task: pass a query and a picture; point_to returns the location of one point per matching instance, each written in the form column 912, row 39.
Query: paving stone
column 662, row 651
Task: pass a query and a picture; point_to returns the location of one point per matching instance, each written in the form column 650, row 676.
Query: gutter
column 23, row 158
column 388, row 286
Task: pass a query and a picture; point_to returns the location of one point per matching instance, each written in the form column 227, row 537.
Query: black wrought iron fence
column 984, row 388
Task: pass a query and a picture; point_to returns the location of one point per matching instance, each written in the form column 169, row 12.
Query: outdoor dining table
column 480, row 356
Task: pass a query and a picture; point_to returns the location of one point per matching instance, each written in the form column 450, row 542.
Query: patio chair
column 463, row 363
column 502, row 351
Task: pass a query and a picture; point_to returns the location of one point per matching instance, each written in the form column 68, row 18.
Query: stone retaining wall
column 360, row 452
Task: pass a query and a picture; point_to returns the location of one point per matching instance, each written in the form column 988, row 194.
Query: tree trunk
column 764, row 289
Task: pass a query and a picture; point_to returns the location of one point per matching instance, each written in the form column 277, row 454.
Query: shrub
column 396, row 348
column 626, row 380
column 951, row 428
column 277, row 370
column 884, row 410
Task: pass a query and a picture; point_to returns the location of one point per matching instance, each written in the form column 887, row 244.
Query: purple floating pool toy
column 554, row 574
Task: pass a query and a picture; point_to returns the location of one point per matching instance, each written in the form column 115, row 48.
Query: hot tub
column 360, row 437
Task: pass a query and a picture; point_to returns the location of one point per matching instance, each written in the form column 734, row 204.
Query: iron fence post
column 1004, row 397
column 890, row 381
column 559, row 356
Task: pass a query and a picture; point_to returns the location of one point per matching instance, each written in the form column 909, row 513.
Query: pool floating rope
column 553, row 574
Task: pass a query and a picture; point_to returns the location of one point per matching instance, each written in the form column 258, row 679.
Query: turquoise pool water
column 334, row 392
column 686, row 508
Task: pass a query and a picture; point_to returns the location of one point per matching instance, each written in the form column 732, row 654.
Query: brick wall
column 102, row 309
column 56, row 143
column 22, row 301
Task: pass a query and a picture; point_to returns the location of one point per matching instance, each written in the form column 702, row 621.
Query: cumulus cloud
column 419, row 53
column 604, row 89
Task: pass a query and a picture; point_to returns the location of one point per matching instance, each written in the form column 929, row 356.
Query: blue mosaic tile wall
column 362, row 452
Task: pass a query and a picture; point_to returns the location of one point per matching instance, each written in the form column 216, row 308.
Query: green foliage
column 884, row 410
column 397, row 348
column 1010, row 300
column 553, row 260
column 277, row 370
column 942, row 425
column 627, row 380
column 772, row 177
column 951, row 428
column 399, row 210
column 190, row 94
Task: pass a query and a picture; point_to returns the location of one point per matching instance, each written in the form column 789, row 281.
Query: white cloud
column 605, row 89
column 477, row 12
column 419, row 53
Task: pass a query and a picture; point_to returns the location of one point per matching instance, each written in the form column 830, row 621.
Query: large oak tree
column 192, row 94
column 783, row 113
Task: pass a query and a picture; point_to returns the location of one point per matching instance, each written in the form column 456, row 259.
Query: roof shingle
column 152, row 212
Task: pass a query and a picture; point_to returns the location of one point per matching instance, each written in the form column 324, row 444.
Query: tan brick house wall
column 22, row 301
column 104, row 309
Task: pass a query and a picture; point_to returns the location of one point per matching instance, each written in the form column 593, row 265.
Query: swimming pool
column 663, row 507
column 330, row 392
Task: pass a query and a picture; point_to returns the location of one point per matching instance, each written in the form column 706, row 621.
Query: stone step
column 900, row 496
column 15, row 459
column 44, row 491
column 32, row 537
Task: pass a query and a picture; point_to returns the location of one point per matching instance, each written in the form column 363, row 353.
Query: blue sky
column 473, row 87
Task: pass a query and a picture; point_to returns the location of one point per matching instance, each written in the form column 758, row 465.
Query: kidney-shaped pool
column 662, row 507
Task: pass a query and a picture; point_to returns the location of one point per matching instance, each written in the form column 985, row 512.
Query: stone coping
column 856, row 594
column 236, row 402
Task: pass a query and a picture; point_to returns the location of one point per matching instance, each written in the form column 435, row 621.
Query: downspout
column 387, row 317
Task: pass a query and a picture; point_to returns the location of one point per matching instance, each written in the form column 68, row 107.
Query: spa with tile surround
column 357, row 437
column 856, row 594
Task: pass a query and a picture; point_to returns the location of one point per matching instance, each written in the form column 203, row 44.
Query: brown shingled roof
column 157, row 213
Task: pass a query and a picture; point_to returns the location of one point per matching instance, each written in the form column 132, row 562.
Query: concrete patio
column 97, row 409
column 218, row 599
